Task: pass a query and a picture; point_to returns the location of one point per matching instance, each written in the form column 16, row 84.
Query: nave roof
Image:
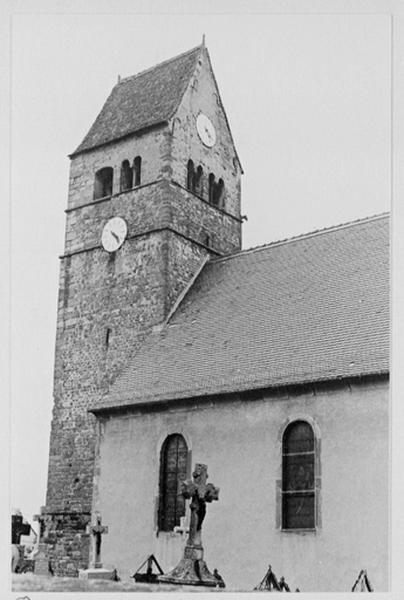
column 308, row 309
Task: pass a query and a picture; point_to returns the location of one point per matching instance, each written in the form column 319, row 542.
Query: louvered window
column 173, row 470
column 298, row 477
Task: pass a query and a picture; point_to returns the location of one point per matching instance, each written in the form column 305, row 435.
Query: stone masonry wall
column 153, row 147
column 202, row 97
column 154, row 206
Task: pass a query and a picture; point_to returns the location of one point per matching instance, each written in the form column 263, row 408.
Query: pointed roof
column 307, row 309
column 149, row 98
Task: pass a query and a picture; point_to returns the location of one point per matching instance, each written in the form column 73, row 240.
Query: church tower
column 154, row 192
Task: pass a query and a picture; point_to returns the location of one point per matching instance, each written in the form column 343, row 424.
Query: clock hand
column 115, row 236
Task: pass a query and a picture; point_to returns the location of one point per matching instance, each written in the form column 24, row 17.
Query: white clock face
column 206, row 130
column 114, row 234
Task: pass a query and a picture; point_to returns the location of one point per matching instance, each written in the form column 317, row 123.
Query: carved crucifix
column 200, row 493
column 192, row 569
column 98, row 530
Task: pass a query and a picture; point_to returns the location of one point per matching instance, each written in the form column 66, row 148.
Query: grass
column 29, row 582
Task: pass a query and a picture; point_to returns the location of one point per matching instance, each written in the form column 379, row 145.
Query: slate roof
column 308, row 309
column 143, row 100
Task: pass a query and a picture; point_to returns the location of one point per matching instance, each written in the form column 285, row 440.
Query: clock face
column 206, row 130
column 114, row 234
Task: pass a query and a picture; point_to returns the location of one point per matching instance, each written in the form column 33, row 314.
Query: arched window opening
column 218, row 189
column 190, row 176
column 211, row 181
column 103, row 182
column 298, row 477
column 126, row 176
column 173, row 470
column 198, row 181
column 137, row 166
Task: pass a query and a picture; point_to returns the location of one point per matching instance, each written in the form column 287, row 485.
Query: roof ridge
column 303, row 236
column 160, row 64
column 184, row 293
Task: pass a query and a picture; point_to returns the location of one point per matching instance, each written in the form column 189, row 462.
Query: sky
column 308, row 98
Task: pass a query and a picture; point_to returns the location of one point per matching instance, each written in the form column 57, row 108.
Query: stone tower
column 154, row 191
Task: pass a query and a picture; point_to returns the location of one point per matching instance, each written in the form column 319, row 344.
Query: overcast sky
column 308, row 101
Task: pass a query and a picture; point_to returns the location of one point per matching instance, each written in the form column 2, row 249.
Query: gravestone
column 192, row 569
column 270, row 583
column 362, row 584
column 41, row 560
column 96, row 570
column 149, row 576
column 18, row 528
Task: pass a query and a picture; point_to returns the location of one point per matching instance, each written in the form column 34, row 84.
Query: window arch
column 190, row 175
column 212, row 186
column 173, row 470
column 198, row 179
column 137, row 167
column 103, row 182
column 298, row 476
column 126, row 176
column 218, row 192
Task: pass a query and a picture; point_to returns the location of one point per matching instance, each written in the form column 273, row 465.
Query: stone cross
column 200, row 493
column 18, row 528
column 97, row 530
column 192, row 569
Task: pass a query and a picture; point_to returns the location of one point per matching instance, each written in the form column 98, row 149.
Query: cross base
column 97, row 573
column 191, row 570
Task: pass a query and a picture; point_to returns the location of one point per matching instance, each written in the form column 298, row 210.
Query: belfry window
column 126, row 176
column 212, row 186
column 173, row 470
column 218, row 193
column 137, row 167
column 190, row 176
column 298, row 477
column 103, row 182
column 198, row 181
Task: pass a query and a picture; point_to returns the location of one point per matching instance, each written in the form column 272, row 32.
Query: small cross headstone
column 192, row 569
column 95, row 570
column 97, row 531
column 18, row 528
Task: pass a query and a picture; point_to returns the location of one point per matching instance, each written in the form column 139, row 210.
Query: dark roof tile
column 143, row 100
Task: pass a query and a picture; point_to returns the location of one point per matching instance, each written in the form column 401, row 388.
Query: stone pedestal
column 41, row 561
column 97, row 573
column 191, row 570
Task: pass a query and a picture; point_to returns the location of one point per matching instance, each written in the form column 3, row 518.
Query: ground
column 28, row 582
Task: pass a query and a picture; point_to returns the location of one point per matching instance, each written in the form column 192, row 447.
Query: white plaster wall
column 240, row 443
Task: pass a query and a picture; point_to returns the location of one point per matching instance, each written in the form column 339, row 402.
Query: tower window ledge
column 221, row 210
column 105, row 198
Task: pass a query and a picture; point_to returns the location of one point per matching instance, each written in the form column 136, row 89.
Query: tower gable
column 219, row 161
